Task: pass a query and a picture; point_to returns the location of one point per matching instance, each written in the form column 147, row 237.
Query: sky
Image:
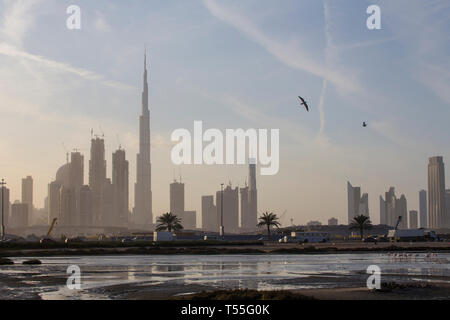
column 232, row 64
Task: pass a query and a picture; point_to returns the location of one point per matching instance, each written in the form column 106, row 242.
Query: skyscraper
column 53, row 201
column 177, row 198
column 391, row 208
column 357, row 205
column 121, row 188
column 143, row 215
column 249, row 200
column 27, row 195
column 189, row 220
column 85, row 206
column 97, row 178
column 413, row 219
column 4, row 202
column 209, row 214
column 436, row 193
column 447, row 208
column 423, row 209
column 230, row 208
column 19, row 215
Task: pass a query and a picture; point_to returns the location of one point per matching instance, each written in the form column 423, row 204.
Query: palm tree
column 169, row 222
column 361, row 223
column 269, row 220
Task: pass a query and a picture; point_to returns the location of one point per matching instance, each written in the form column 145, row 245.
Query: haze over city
column 232, row 65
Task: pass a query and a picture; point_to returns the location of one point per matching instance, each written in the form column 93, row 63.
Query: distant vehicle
column 126, row 240
column 47, row 240
column 309, row 237
column 412, row 235
column 76, row 239
column 382, row 239
column 370, row 239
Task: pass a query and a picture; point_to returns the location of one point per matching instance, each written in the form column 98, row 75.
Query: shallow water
column 263, row 272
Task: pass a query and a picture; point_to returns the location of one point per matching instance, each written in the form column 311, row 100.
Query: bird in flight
column 364, row 124
column 304, row 103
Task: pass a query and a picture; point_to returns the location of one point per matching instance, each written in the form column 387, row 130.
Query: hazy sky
column 232, row 64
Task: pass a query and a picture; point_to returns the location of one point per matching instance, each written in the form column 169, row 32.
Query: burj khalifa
column 143, row 217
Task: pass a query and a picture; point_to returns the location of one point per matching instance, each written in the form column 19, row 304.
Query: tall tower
column 143, row 216
column 249, row 200
column 423, row 209
column 436, row 193
column 177, row 198
column 27, row 194
column 120, row 186
column 97, row 178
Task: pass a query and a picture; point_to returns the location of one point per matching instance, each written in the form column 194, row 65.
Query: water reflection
column 229, row 271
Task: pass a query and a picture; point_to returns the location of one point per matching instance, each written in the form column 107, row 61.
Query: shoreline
column 239, row 249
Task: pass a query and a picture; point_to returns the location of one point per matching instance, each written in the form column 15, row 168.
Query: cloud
column 294, row 58
column 17, row 53
column 422, row 28
column 16, row 19
column 101, row 24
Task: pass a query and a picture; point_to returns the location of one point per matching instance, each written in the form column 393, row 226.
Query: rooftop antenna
column 118, row 141
column 92, row 133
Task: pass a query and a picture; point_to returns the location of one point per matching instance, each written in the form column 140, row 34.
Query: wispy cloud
column 294, row 58
column 17, row 17
column 14, row 52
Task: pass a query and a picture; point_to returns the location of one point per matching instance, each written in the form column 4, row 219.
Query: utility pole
column 2, row 185
column 221, row 229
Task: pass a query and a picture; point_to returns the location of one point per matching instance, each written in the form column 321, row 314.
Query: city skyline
column 56, row 102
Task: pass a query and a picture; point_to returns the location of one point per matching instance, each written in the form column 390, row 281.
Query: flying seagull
column 304, row 103
column 364, row 124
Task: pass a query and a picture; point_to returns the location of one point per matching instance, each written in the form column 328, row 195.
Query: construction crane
column 51, row 226
column 282, row 215
column 66, row 151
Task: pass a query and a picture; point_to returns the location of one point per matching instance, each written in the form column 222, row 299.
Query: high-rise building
column 249, row 200
column 120, row 183
column 53, row 200
column 67, row 207
column 108, row 204
column 332, row 222
column 230, row 209
column 76, row 175
column 19, row 215
column 142, row 213
column 189, row 220
column 4, row 203
column 27, row 195
column 177, row 198
column 97, row 178
column 244, row 206
column 357, row 204
column 401, row 209
column 436, row 193
column 209, row 214
column 423, row 209
column 391, row 208
column 447, row 208
column 85, row 206
column 413, row 219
